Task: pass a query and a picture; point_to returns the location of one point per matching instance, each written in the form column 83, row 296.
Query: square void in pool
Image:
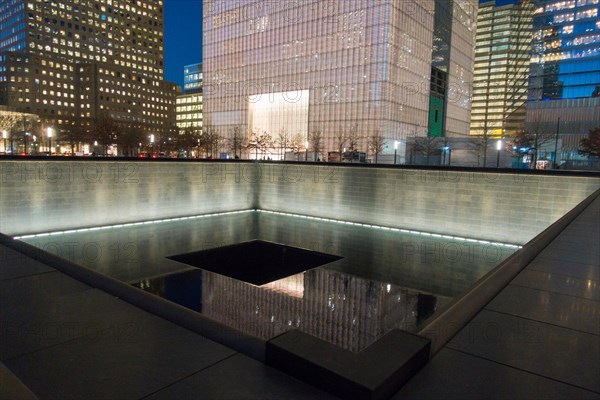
column 257, row 262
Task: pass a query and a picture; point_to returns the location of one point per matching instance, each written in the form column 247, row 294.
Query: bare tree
column 297, row 144
column 236, row 141
column 23, row 131
column 354, row 138
column 377, row 144
column 265, row 142
column 519, row 144
column 427, row 146
column 8, row 120
column 478, row 146
column 105, row 130
column 527, row 141
column 73, row 135
column 129, row 139
column 284, row 141
column 315, row 140
column 260, row 141
column 211, row 140
column 537, row 137
column 188, row 139
column 590, row 146
column 340, row 141
column 252, row 146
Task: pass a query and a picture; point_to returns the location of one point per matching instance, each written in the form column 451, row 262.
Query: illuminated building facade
column 566, row 50
column 192, row 78
column 189, row 105
column 72, row 61
column 189, row 111
column 502, row 56
column 565, row 72
column 339, row 67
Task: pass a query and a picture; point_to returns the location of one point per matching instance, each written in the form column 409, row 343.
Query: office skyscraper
column 74, row 61
column 189, row 104
column 502, row 57
column 388, row 68
column 192, row 78
column 565, row 72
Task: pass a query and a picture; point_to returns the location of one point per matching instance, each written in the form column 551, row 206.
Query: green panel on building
column 436, row 117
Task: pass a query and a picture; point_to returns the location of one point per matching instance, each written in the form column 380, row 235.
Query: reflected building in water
column 345, row 310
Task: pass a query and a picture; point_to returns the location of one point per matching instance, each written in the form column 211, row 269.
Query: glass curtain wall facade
column 72, row 61
column 566, row 50
column 192, row 79
column 502, row 56
column 189, row 105
column 359, row 66
column 564, row 88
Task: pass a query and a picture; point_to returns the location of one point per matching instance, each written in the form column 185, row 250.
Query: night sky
column 183, row 36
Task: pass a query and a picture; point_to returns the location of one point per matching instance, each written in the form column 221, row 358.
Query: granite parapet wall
column 42, row 196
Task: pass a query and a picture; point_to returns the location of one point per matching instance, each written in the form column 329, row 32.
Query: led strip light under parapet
column 387, row 228
column 158, row 221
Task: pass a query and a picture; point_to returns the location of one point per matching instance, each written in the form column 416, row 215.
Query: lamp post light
column 4, row 133
column 25, row 142
column 498, row 147
column 152, row 146
column 49, row 133
column 306, row 151
column 395, row 151
column 556, row 144
column 445, row 150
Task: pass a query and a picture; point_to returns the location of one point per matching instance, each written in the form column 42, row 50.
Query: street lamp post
column 395, row 151
column 306, row 151
column 49, row 133
column 4, row 133
column 25, row 142
column 498, row 147
column 152, row 146
column 556, row 144
column 446, row 154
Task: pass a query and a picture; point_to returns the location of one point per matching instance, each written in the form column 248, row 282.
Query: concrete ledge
column 375, row 373
column 447, row 323
column 421, row 167
column 195, row 322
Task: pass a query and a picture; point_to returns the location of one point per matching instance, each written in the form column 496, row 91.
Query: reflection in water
column 385, row 280
column 342, row 309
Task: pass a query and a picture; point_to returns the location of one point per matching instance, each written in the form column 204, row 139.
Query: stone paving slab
column 11, row 387
column 456, row 375
column 552, row 308
column 240, row 377
column 61, row 339
column 539, row 338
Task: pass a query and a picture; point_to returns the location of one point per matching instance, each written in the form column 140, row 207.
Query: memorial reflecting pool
column 383, row 279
